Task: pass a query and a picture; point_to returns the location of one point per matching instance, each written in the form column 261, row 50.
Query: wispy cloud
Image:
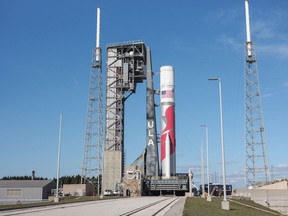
column 285, row 84
column 269, row 34
column 279, row 171
column 231, row 42
column 269, row 24
column 280, row 167
column 228, row 163
column 268, row 31
column 76, row 83
column 280, row 49
column 283, row 90
column 263, row 29
column 220, row 16
column 271, row 94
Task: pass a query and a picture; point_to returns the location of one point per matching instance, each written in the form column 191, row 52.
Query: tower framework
column 257, row 168
column 256, row 151
column 93, row 141
column 125, row 68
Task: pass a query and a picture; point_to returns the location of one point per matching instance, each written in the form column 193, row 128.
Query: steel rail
column 139, row 209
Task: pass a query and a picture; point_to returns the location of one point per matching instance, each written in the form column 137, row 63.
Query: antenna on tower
column 93, row 141
column 98, row 36
column 249, row 43
column 257, row 168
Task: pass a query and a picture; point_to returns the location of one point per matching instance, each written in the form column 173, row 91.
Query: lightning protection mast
column 93, row 141
column 257, row 169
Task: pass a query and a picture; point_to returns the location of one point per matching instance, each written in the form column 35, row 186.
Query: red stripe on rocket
column 169, row 131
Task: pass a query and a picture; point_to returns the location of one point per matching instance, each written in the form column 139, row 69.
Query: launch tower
column 125, row 68
column 93, row 142
column 257, row 168
column 128, row 64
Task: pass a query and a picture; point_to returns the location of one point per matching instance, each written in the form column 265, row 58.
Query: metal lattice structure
column 257, row 170
column 125, row 68
column 93, row 142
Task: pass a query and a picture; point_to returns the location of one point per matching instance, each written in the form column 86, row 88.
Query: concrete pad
column 177, row 208
column 225, row 205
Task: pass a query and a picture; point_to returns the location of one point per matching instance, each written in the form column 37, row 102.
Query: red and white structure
column 168, row 141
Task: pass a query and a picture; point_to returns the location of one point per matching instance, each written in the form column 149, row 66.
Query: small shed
column 25, row 190
column 78, row 189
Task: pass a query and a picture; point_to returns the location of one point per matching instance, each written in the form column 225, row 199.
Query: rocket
column 168, row 141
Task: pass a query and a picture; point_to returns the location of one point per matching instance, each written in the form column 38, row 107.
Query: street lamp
column 56, row 199
column 202, row 170
column 207, row 161
column 190, row 174
column 225, row 203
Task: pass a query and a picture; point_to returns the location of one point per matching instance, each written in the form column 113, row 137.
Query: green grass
column 200, row 207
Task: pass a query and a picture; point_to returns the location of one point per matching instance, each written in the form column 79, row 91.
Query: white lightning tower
column 93, row 142
column 257, row 169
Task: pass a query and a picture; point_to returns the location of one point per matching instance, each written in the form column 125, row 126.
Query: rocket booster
column 168, row 141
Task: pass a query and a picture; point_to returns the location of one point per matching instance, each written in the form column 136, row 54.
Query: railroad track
column 143, row 210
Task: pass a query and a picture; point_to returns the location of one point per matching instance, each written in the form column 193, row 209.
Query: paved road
column 140, row 206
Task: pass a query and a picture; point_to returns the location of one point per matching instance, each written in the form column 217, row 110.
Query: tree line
column 74, row 179
column 22, row 178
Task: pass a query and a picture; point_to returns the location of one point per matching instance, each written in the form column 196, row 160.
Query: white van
column 108, row 193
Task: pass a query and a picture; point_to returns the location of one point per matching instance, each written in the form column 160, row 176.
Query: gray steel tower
column 125, row 68
column 93, row 142
column 257, row 170
column 152, row 161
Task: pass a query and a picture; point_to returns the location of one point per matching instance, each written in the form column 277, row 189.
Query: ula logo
column 150, row 126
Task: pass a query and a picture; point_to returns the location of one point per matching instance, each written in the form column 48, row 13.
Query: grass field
column 200, row 207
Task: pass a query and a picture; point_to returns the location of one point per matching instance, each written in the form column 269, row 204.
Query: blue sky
column 46, row 48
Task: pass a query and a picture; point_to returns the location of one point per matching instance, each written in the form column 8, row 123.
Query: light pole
column 207, row 161
column 225, row 203
column 190, row 174
column 202, row 170
column 56, row 199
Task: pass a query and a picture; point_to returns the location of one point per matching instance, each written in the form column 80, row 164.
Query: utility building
column 25, row 190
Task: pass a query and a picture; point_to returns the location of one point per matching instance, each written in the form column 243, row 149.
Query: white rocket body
column 168, row 141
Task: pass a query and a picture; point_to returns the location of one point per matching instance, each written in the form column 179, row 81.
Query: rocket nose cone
column 166, row 76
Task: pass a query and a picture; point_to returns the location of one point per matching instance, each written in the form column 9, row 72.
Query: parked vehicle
column 108, row 193
column 117, row 193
